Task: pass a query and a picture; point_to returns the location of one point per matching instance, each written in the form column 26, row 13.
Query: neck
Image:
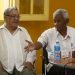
column 11, row 29
column 63, row 32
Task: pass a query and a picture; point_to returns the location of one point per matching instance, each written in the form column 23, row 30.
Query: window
column 5, row 4
column 33, row 9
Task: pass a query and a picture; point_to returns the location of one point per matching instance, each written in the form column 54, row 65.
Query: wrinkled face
column 60, row 22
column 12, row 20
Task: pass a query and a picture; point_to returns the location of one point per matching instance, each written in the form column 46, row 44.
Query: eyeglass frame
column 13, row 16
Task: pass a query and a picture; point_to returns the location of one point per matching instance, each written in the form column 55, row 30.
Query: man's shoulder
column 1, row 26
column 22, row 28
column 50, row 30
column 71, row 28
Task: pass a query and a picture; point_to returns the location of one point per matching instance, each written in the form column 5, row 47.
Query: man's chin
column 15, row 24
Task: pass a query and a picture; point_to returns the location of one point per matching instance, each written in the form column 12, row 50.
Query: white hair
column 61, row 12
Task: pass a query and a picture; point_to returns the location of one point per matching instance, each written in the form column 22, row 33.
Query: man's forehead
column 59, row 16
column 14, row 12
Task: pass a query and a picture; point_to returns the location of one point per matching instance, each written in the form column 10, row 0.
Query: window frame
column 35, row 17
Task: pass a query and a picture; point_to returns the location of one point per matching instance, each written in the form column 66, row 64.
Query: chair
column 45, row 60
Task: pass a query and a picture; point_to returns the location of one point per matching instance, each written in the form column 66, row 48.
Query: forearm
column 33, row 46
column 37, row 45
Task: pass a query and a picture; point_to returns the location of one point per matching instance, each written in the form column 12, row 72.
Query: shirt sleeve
column 31, row 56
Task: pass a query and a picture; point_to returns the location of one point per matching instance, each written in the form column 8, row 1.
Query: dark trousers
column 56, row 70
column 69, row 71
column 26, row 71
column 14, row 72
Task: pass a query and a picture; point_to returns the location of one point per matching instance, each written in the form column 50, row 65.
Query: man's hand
column 30, row 46
column 28, row 65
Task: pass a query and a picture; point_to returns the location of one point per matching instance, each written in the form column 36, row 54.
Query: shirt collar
column 3, row 27
column 68, row 33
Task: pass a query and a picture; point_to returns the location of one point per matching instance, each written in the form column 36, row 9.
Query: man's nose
column 17, row 17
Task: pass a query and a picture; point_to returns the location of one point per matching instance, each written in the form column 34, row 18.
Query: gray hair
column 61, row 12
column 8, row 10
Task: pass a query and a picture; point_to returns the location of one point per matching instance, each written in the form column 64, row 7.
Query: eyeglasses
column 13, row 16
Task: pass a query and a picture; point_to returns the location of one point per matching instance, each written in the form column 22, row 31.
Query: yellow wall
column 35, row 28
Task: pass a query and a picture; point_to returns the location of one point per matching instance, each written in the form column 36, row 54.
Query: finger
column 27, row 50
column 28, row 41
column 26, row 47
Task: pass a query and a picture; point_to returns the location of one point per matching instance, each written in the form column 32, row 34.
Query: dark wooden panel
column 24, row 6
column 38, row 7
